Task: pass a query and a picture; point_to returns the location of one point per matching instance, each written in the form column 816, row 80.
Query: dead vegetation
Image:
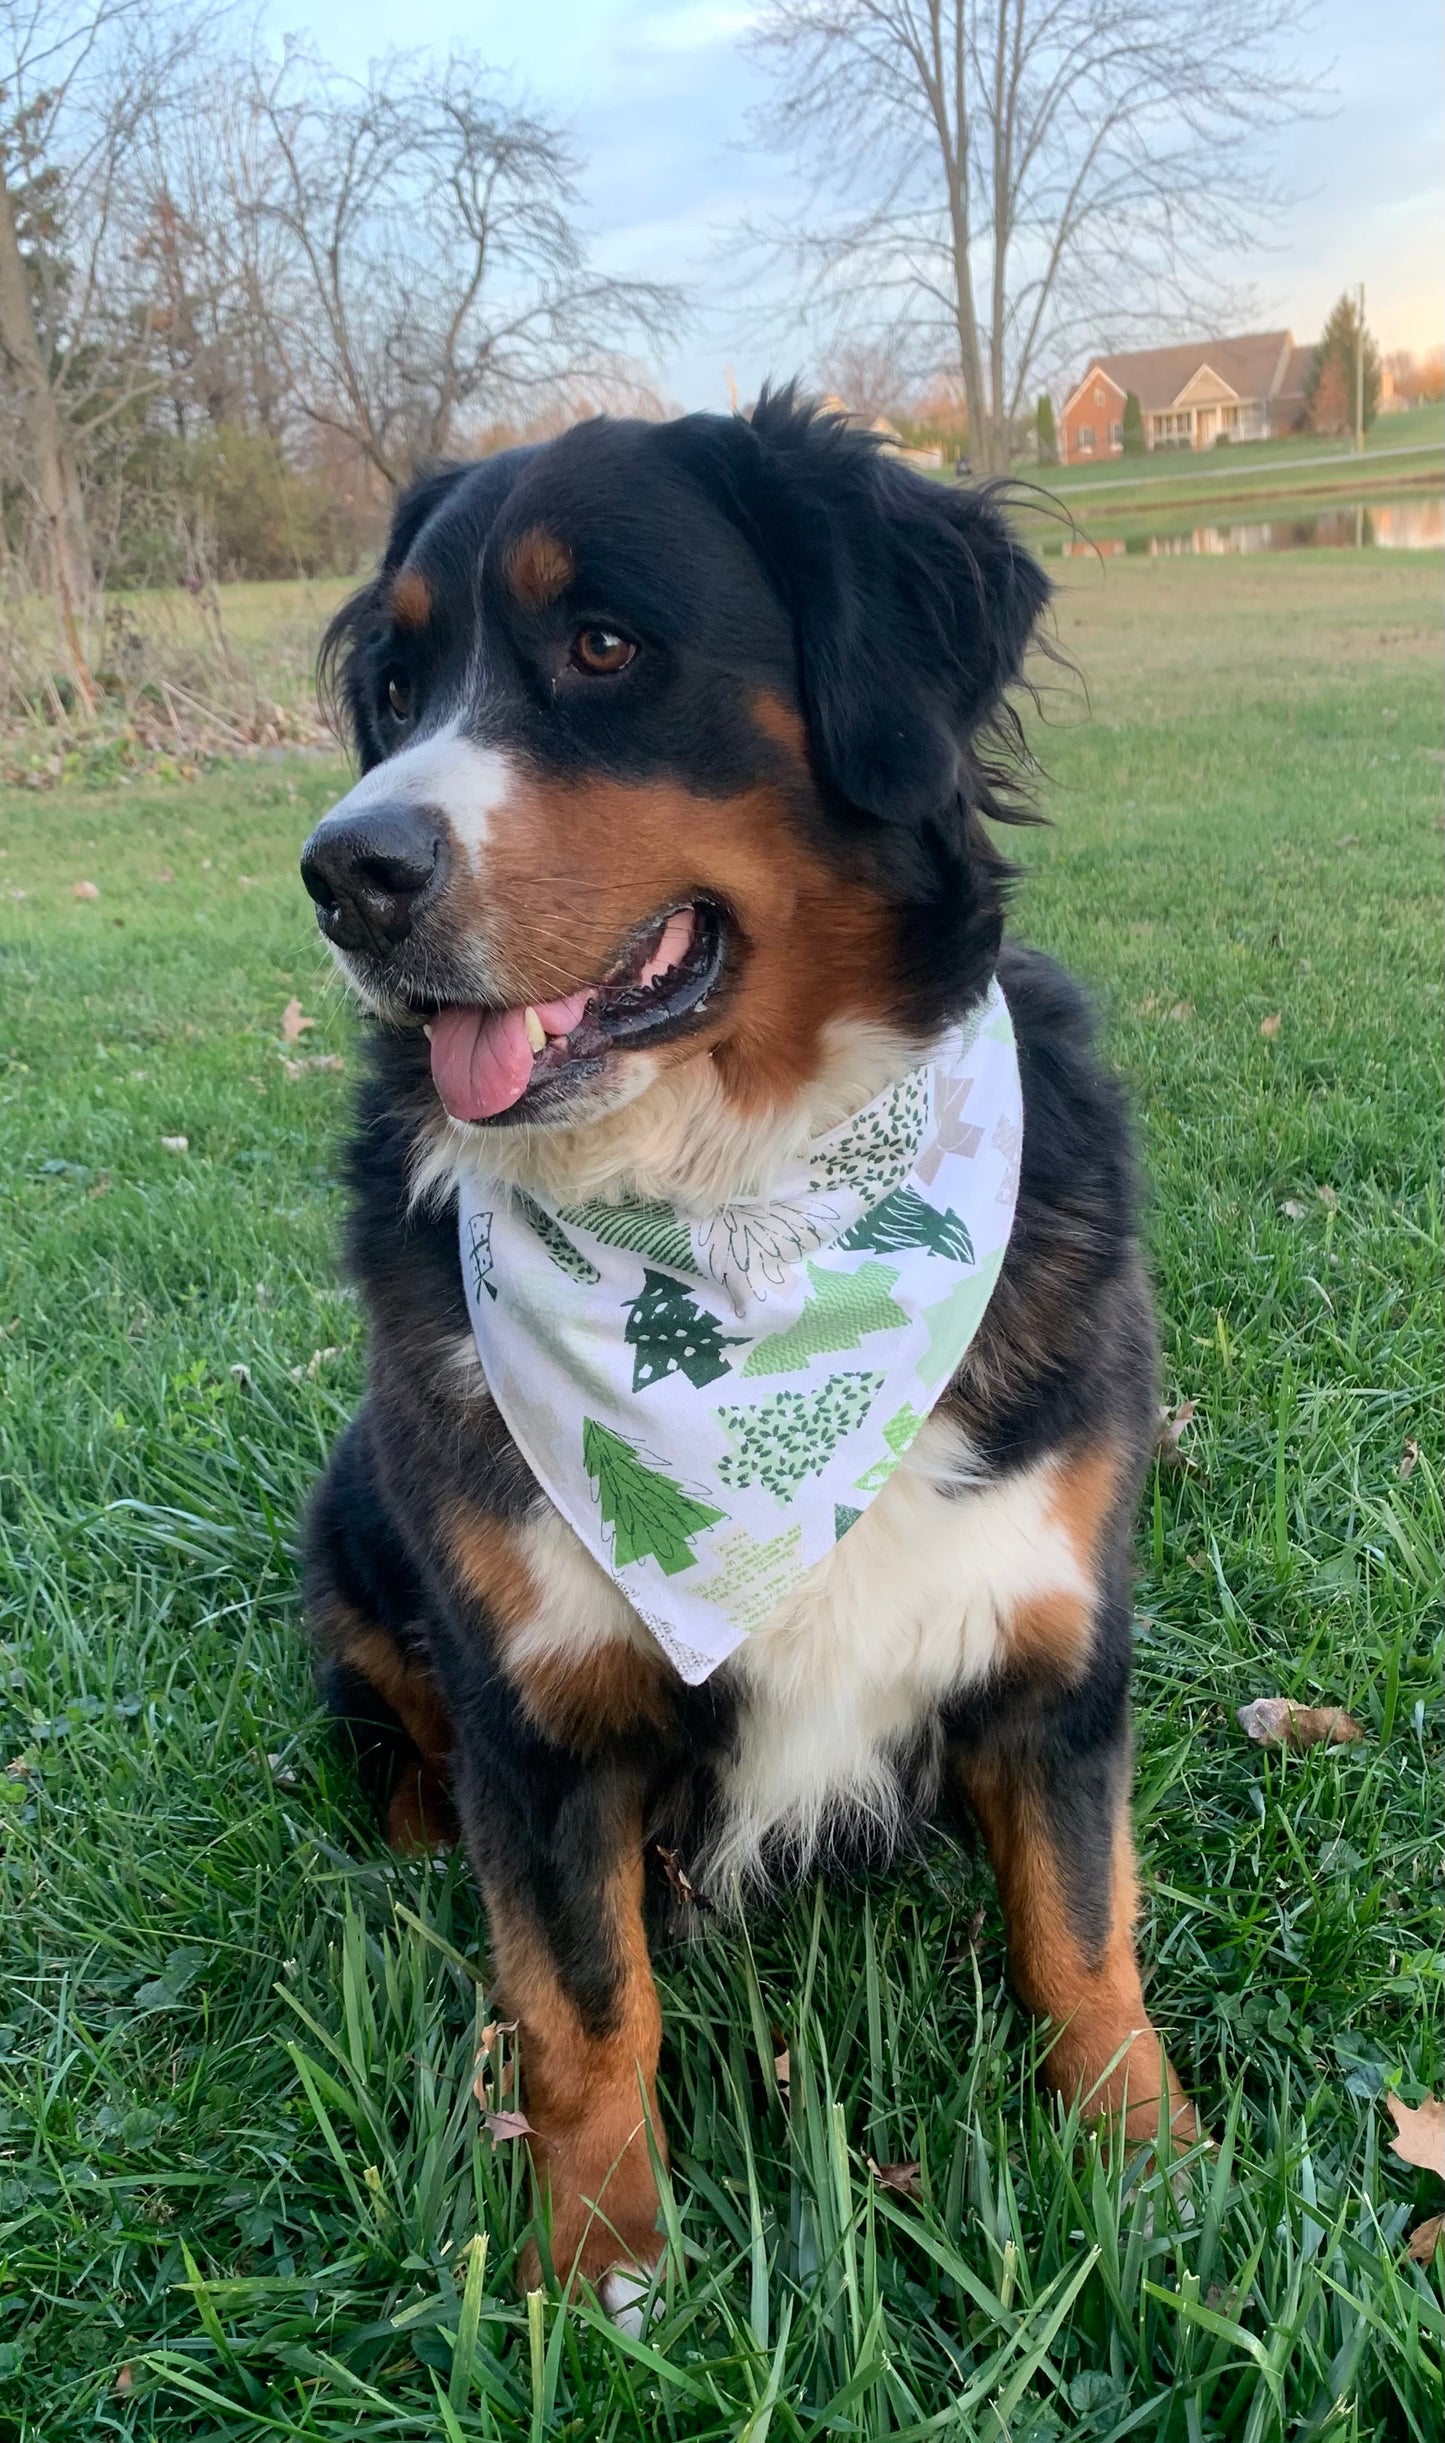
column 183, row 679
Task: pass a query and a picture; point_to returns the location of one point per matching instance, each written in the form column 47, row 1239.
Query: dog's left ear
column 913, row 604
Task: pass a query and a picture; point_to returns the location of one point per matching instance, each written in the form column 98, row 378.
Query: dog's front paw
column 624, row 2293
column 604, row 2205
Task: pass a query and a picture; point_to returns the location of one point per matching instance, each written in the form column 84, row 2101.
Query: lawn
column 241, row 2175
column 1401, row 449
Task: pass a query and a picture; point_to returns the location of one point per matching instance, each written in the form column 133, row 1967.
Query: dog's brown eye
column 601, row 652
column 398, row 696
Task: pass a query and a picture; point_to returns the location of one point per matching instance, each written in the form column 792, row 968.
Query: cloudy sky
column 657, row 93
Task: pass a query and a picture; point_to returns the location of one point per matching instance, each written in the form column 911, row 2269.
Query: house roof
column 1252, row 367
column 1292, row 383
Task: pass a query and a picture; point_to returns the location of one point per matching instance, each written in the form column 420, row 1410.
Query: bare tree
column 43, row 63
column 1008, row 179
column 207, row 184
column 870, row 372
column 435, row 278
column 77, row 81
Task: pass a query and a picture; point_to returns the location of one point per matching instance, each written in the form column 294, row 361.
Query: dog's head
column 671, row 765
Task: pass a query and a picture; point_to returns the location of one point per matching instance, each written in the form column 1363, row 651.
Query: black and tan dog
column 669, row 851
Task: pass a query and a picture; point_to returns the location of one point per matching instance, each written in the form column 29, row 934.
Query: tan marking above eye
column 781, row 723
column 411, row 599
column 539, row 567
column 601, row 652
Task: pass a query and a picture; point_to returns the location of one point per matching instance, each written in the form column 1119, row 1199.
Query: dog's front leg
column 1055, row 1818
column 561, row 1871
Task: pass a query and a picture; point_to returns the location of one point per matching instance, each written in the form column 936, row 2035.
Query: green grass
column 1296, row 463
column 240, row 2171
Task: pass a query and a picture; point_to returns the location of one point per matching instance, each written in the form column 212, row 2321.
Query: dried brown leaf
column 782, row 2069
column 1269, row 1027
column 1279, row 1722
column 1172, row 1425
column 293, row 1025
column 1425, row 2239
column 1409, row 1457
column 175, row 1145
column 1293, row 1210
column 1183, row 1011
column 905, row 2179
column 124, row 2380
column 1419, row 2133
column 503, row 2126
column 1329, row 1198
column 85, row 890
column 676, row 1874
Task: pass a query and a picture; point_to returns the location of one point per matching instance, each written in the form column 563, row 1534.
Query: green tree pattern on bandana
column 876, row 1151
column 669, row 1333
column 793, row 1434
column 648, row 1512
column 904, row 1220
column 843, row 1309
column 897, row 1433
column 565, row 1256
column 651, row 1230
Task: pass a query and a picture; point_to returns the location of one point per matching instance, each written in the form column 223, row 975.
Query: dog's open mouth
column 488, row 1061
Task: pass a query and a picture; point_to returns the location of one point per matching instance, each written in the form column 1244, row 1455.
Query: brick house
column 1189, row 396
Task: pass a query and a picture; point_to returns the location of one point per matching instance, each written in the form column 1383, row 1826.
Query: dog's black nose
column 370, row 872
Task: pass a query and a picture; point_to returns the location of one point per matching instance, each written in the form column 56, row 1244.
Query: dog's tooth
column 536, row 1032
column 426, row 1029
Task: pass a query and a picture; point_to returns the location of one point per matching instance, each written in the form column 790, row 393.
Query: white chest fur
column 919, row 1600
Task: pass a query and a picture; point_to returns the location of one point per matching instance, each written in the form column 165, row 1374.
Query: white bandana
column 712, row 1403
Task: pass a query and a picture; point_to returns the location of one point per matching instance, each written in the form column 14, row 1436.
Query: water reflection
column 1401, row 525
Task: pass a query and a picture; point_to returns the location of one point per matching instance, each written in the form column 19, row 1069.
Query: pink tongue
column 481, row 1061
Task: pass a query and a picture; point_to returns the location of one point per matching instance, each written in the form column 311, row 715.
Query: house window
column 1086, row 437
column 1116, row 436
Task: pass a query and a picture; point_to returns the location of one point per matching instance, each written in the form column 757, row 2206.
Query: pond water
column 1388, row 525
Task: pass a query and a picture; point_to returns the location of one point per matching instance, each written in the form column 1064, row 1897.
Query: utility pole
column 1360, row 371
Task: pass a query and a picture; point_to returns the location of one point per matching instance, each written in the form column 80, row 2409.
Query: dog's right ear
column 362, row 617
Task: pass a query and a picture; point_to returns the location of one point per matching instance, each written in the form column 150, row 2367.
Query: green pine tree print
column 794, row 1433
column 669, row 1333
column 565, row 1256
column 952, row 1323
column 905, row 1220
column 897, row 1433
column 648, row 1512
column 843, row 1519
column 844, row 1307
column 651, row 1230
column 877, row 1149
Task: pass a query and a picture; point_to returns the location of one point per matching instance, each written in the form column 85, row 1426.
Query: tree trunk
column 56, row 484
